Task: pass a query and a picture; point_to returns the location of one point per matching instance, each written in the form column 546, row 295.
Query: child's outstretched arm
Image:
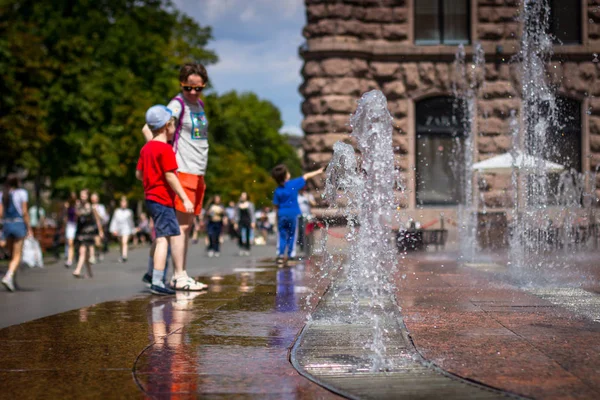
column 147, row 133
column 312, row 174
column 173, row 181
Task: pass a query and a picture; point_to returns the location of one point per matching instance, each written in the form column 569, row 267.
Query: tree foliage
column 245, row 146
column 78, row 76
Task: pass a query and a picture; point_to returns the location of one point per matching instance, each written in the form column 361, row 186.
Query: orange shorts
column 194, row 187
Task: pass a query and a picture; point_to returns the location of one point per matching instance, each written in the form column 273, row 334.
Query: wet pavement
column 229, row 342
column 537, row 340
column 475, row 322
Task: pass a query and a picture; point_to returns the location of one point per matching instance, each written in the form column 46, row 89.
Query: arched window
column 439, row 151
column 565, row 21
column 442, row 22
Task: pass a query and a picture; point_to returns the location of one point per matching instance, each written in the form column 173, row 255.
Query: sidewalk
column 475, row 322
column 53, row 289
column 231, row 341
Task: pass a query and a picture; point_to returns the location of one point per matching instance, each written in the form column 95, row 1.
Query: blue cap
column 157, row 116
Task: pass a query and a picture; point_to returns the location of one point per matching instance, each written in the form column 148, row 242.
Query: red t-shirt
column 157, row 158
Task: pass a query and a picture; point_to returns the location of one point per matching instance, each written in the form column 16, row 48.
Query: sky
column 257, row 43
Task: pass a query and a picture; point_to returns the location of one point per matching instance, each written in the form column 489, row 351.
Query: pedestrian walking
column 88, row 227
column 157, row 168
column 16, row 225
column 190, row 143
column 143, row 232
column 70, row 224
column 122, row 227
column 100, row 243
column 285, row 200
column 245, row 222
column 230, row 223
column 215, row 213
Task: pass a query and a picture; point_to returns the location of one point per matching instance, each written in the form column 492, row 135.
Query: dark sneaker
column 147, row 279
column 161, row 290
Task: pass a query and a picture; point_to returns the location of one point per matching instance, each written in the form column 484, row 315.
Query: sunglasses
column 190, row 88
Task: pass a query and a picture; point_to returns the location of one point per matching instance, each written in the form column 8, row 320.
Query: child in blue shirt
column 285, row 200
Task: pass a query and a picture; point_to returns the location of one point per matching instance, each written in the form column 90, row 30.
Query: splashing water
column 465, row 89
column 366, row 193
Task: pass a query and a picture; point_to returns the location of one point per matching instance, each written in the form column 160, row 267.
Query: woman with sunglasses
column 190, row 144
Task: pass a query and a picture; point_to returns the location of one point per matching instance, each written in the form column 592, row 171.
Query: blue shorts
column 14, row 230
column 165, row 220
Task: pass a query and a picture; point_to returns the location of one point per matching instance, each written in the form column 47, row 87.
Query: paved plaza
column 472, row 331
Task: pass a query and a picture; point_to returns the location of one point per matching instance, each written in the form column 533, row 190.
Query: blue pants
column 214, row 233
column 287, row 234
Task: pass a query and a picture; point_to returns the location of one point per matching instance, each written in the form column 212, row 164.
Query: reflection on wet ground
column 232, row 341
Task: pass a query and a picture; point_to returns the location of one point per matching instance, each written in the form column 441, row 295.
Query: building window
column 564, row 142
column 565, row 21
column 440, row 152
column 563, row 146
column 442, row 22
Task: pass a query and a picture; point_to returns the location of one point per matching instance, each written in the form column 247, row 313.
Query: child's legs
column 291, row 237
column 161, row 247
column 284, row 225
column 82, row 258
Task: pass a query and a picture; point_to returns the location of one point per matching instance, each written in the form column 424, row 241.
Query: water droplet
column 595, row 59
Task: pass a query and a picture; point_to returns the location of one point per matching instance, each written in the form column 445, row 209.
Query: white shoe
column 9, row 283
column 241, row 253
column 186, row 283
column 217, row 254
column 211, row 253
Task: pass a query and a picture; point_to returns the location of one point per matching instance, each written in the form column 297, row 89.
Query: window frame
column 440, row 4
column 448, row 132
column 556, row 40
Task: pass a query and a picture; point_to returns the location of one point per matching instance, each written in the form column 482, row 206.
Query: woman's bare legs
column 82, row 259
column 17, row 248
column 124, row 246
column 185, row 223
column 70, row 251
column 88, row 264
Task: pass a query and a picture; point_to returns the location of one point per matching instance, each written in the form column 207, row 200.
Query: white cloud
column 291, row 130
column 257, row 43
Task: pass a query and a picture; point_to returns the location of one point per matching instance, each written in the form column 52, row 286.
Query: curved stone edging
column 329, row 351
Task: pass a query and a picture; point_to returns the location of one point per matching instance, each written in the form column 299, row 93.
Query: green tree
column 245, row 146
column 77, row 79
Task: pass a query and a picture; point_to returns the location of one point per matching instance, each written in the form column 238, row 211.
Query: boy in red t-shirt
column 157, row 168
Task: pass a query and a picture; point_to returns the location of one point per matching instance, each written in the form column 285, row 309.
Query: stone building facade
column 406, row 49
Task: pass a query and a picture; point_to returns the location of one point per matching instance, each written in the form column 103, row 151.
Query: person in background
column 305, row 200
column 122, row 226
column 285, row 200
column 88, row 227
column 215, row 213
column 37, row 217
column 143, row 231
column 104, row 218
column 70, row 224
column 244, row 223
column 230, row 224
column 16, row 225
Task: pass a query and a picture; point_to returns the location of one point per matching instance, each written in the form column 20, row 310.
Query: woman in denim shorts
column 15, row 218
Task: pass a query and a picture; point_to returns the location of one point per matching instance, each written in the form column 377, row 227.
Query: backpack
column 179, row 120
